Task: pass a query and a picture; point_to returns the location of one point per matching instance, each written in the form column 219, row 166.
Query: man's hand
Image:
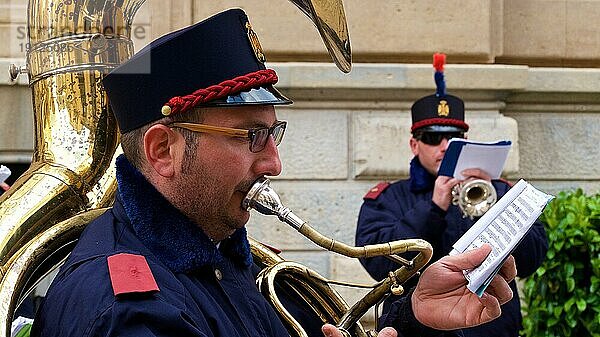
column 442, row 301
column 475, row 173
column 4, row 186
column 442, row 191
column 331, row 331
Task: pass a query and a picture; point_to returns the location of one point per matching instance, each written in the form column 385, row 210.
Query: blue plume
column 440, row 84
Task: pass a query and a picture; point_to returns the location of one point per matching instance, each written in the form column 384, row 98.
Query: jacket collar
column 420, row 179
column 171, row 236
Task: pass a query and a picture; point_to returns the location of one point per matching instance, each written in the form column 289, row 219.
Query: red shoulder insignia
column 376, row 191
column 130, row 273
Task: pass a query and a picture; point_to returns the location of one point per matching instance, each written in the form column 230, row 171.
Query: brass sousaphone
column 71, row 181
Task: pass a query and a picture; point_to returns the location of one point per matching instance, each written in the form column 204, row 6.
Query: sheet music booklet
column 462, row 154
column 503, row 226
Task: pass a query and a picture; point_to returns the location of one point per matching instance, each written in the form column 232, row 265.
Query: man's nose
column 444, row 144
column 268, row 162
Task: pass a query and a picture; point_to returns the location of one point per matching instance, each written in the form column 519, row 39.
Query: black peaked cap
column 179, row 63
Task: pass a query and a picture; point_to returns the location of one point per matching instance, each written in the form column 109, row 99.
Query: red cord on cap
column 246, row 82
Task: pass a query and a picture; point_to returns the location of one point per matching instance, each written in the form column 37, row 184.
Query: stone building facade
column 528, row 70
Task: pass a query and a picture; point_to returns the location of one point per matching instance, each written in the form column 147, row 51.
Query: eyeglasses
column 435, row 138
column 258, row 137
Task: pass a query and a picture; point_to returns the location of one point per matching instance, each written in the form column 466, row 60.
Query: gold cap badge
column 258, row 52
column 443, row 108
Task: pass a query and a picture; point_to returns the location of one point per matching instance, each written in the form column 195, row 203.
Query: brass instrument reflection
column 73, row 44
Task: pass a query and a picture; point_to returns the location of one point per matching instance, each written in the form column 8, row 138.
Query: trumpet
column 314, row 289
column 474, row 197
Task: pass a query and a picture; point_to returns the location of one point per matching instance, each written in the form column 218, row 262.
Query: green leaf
column 569, row 269
column 569, row 304
column 558, row 311
column 581, row 304
column 570, row 284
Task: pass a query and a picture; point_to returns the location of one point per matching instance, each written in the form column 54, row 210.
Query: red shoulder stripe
column 376, row 191
column 130, row 273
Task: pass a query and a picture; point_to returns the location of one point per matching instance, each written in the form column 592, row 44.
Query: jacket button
column 218, row 274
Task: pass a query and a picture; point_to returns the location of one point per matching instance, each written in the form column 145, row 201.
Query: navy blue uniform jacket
column 404, row 210
column 191, row 300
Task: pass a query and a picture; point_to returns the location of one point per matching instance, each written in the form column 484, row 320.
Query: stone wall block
column 395, row 27
column 16, row 123
column 583, row 38
column 554, row 187
column 559, row 146
column 13, row 28
column 287, row 31
column 329, row 207
column 535, row 28
column 385, row 29
column 562, row 83
column 317, row 261
column 13, row 11
column 315, row 145
column 381, row 144
column 492, row 126
column 14, row 39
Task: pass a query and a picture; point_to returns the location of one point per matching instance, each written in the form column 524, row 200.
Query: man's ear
column 159, row 148
column 414, row 146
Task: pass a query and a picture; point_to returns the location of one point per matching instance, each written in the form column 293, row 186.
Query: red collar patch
column 130, row 273
column 376, row 191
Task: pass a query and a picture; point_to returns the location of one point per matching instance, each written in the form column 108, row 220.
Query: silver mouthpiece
column 262, row 198
column 265, row 200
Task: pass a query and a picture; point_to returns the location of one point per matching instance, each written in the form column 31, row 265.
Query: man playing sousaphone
column 421, row 206
column 172, row 257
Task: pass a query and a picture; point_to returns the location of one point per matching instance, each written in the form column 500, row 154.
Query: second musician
column 421, row 207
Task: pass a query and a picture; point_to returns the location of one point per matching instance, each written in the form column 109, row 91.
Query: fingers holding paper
column 442, row 301
column 499, row 287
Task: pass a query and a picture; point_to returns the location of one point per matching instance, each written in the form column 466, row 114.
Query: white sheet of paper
column 4, row 173
column 490, row 159
column 502, row 227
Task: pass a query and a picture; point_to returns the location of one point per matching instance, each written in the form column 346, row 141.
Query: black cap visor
column 267, row 95
column 440, row 128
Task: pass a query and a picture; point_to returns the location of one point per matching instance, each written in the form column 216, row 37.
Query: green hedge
column 562, row 298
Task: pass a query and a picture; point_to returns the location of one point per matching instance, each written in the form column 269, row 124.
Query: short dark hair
column 132, row 145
